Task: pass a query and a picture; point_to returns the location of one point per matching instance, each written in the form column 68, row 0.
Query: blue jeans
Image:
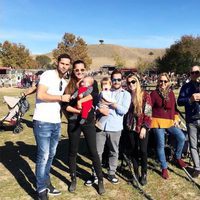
column 160, row 143
column 47, row 137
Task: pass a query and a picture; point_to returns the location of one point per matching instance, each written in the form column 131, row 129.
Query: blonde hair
column 166, row 75
column 137, row 99
column 105, row 79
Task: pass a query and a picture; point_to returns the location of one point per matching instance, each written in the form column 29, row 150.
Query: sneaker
column 196, row 173
column 52, row 190
column 113, row 179
column 181, row 163
column 91, row 181
column 43, row 195
column 165, row 174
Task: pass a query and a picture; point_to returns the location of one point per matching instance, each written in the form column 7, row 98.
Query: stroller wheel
column 16, row 130
column 21, row 127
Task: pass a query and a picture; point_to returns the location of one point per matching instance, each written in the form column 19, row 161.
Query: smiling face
column 116, row 81
column 132, row 83
column 163, row 82
column 79, row 71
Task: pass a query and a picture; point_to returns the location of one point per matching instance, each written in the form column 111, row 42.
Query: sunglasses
column 116, row 79
column 131, row 82
column 60, row 86
column 163, row 81
column 79, row 70
column 194, row 72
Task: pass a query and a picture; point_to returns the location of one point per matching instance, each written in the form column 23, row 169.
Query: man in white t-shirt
column 47, row 122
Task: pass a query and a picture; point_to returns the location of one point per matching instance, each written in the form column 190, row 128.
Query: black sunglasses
column 163, row 81
column 79, row 70
column 116, row 79
column 194, row 72
column 60, row 86
column 129, row 82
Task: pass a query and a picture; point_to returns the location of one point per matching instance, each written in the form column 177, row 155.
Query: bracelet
column 60, row 97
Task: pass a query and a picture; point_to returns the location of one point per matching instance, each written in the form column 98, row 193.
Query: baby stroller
column 17, row 108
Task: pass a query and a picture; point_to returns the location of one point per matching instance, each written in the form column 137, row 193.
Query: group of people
column 102, row 117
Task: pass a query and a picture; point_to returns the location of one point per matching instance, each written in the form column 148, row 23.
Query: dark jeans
column 89, row 131
column 139, row 150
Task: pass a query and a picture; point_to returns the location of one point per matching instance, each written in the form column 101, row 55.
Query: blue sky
column 41, row 24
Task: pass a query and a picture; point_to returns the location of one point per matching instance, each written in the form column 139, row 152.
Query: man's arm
column 44, row 96
column 30, row 90
column 122, row 107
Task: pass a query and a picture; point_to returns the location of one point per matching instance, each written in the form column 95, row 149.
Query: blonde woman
column 165, row 118
column 137, row 124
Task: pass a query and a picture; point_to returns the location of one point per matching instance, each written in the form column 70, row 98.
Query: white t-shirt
column 49, row 111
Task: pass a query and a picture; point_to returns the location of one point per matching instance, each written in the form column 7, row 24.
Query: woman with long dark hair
column 88, row 128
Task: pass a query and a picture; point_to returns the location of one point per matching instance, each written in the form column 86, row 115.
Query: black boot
column 43, row 195
column 143, row 180
column 136, row 171
column 101, row 189
column 72, row 186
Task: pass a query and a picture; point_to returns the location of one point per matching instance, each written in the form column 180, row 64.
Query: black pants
column 139, row 150
column 89, row 131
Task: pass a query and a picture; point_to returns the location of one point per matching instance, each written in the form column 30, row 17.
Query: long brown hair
column 72, row 85
column 137, row 99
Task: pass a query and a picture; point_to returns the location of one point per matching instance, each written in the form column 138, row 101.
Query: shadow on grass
column 12, row 157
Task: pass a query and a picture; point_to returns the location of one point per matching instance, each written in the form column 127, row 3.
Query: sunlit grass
column 17, row 166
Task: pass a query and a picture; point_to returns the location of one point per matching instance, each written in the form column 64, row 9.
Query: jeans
column 193, row 132
column 47, row 137
column 160, row 143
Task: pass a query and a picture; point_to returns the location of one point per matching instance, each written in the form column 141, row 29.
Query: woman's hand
column 143, row 132
column 79, row 104
column 177, row 123
column 65, row 98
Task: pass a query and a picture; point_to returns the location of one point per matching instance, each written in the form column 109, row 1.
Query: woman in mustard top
column 165, row 118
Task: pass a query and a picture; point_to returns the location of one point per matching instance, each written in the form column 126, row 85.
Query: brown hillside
column 103, row 54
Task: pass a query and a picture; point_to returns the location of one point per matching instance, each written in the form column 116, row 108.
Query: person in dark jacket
column 189, row 97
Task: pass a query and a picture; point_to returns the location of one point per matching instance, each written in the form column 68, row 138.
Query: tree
column 101, row 41
column 119, row 62
column 43, row 61
column 181, row 55
column 76, row 47
column 16, row 56
column 143, row 65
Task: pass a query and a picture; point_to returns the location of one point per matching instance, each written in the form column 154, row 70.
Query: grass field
column 17, row 165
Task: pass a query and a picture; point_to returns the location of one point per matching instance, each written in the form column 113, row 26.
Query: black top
column 73, row 103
